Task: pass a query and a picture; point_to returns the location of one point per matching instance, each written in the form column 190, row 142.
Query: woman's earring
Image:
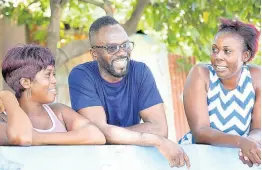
column 28, row 93
column 248, row 57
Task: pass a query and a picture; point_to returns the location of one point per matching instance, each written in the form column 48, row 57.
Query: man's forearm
column 148, row 127
column 119, row 135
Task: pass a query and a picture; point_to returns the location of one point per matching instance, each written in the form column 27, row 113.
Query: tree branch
column 32, row 3
column 131, row 25
column 63, row 2
column 54, row 26
column 106, row 6
column 73, row 49
column 94, row 2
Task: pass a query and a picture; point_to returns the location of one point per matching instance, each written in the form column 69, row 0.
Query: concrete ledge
column 115, row 157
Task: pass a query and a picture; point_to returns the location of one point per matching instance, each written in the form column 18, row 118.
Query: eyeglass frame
column 118, row 46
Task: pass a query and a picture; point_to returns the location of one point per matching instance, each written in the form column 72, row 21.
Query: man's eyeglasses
column 114, row 48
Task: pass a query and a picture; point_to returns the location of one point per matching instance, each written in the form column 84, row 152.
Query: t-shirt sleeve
column 82, row 90
column 148, row 94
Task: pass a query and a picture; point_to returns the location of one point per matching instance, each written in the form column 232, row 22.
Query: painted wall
column 115, row 157
column 10, row 35
column 155, row 55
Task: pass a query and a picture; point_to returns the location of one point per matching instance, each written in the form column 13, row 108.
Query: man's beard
column 110, row 68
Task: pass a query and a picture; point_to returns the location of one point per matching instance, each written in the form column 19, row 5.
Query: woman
column 30, row 71
column 222, row 100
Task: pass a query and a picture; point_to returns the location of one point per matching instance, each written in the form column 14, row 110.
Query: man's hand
column 250, row 151
column 173, row 153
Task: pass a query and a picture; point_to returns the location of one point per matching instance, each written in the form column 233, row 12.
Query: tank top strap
column 52, row 119
column 57, row 125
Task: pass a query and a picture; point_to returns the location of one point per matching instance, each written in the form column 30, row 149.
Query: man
column 115, row 92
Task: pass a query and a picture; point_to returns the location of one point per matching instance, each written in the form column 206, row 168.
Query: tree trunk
column 27, row 34
column 79, row 47
column 54, row 26
column 131, row 25
column 71, row 50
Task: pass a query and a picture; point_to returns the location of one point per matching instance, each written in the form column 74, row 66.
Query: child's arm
column 18, row 130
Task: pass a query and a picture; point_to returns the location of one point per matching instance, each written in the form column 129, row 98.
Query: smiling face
column 43, row 88
column 116, row 64
column 228, row 55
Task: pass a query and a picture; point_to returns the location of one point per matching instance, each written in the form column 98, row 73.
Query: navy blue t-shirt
column 122, row 101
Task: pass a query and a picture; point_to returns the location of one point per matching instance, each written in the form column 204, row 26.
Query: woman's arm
column 80, row 130
column 196, row 109
column 253, row 155
column 18, row 130
column 195, row 104
column 255, row 130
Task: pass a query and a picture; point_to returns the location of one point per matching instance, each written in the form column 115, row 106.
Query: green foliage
column 31, row 13
column 79, row 15
column 186, row 26
column 192, row 24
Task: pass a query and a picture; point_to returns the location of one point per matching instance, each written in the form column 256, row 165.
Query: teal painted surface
column 115, row 157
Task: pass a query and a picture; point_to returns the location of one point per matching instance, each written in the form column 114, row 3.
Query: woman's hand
column 3, row 117
column 250, row 151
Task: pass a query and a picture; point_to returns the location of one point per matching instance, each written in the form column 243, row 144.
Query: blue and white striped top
column 229, row 110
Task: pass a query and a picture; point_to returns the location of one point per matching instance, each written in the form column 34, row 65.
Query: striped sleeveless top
column 229, row 110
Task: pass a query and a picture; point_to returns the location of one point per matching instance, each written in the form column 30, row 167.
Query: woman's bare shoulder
column 201, row 68
column 60, row 108
column 255, row 72
column 57, row 106
column 200, row 71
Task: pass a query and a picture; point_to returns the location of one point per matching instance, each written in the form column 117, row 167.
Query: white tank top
column 57, row 125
